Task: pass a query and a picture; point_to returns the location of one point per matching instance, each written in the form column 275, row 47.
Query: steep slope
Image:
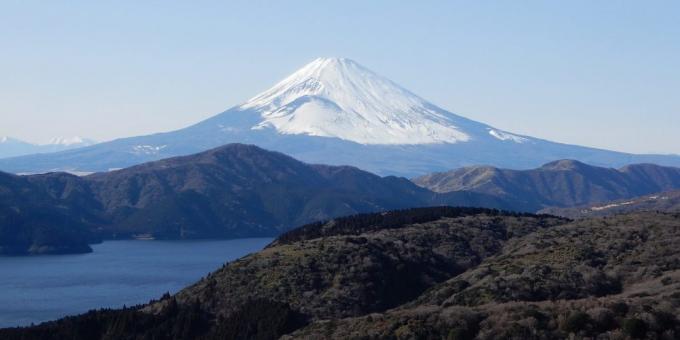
column 360, row 264
column 564, row 183
column 219, row 192
column 335, row 111
column 433, row 273
column 615, row 278
column 11, row 147
column 45, row 214
column 668, row 201
column 232, row 191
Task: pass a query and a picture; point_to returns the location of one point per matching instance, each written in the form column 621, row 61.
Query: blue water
column 117, row 273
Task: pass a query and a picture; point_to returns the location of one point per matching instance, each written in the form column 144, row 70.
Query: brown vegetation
column 427, row 274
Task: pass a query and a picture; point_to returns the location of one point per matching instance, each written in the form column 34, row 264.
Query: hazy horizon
column 600, row 75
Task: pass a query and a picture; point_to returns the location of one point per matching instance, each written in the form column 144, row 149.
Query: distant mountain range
column 335, row 111
column 564, row 183
column 12, row 147
column 228, row 192
column 244, row 191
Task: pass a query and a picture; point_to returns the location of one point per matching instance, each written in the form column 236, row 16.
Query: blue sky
column 595, row 73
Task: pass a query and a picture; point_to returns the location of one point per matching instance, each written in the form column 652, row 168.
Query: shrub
column 576, row 322
column 460, row 334
column 619, row 308
column 635, row 328
column 603, row 319
column 665, row 320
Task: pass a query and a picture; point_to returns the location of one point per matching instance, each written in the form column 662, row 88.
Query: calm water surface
column 117, row 273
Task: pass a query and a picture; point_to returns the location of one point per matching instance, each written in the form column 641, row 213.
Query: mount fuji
column 335, row 111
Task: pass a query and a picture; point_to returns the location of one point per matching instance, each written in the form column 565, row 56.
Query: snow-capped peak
column 337, row 97
column 68, row 141
column 11, row 140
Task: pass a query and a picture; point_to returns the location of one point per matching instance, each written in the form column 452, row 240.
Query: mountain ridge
column 346, row 119
column 228, row 192
column 562, row 183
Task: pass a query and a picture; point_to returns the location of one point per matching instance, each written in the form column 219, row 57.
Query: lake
column 117, row 273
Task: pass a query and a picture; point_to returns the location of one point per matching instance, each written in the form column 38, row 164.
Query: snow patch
column 224, row 128
column 642, row 200
column 147, row 149
column 69, row 141
column 613, row 205
column 506, row 136
column 10, row 140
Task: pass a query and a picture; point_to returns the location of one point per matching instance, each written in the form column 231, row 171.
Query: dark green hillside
column 609, row 278
column 362, row 223
column 241, row 190
column 45, row 214
column 346, row 273
column 435, row 273
column 229, row 192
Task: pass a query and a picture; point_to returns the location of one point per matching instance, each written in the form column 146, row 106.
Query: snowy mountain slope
column 340, row 98
column 12, row 147
column 71, row 141
column 335, row 111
